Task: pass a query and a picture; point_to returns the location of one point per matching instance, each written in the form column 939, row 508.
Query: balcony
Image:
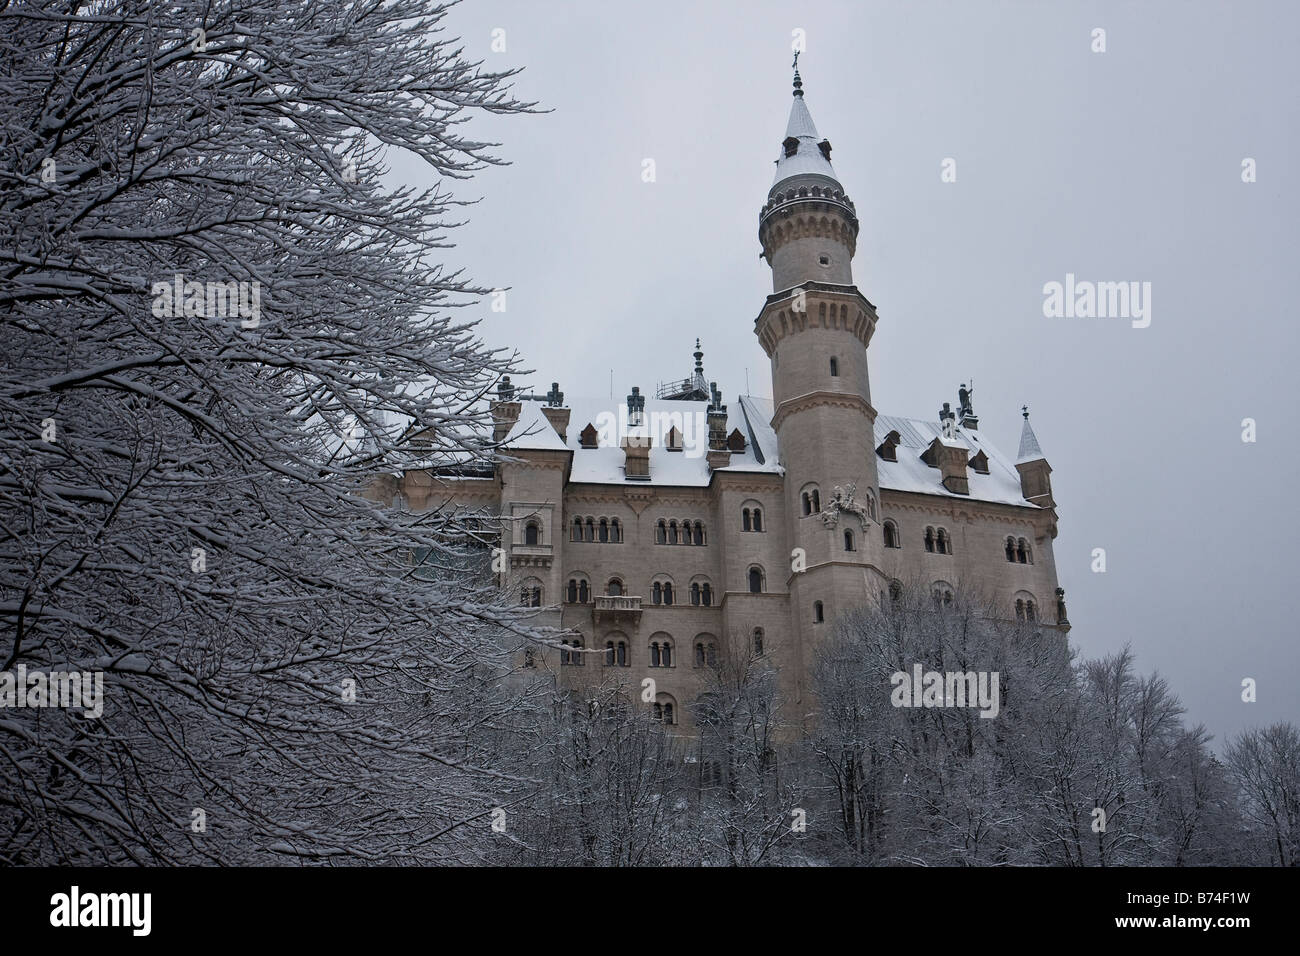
column 620, row 609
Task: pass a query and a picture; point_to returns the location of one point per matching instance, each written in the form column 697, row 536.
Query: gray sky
column 1115, row 166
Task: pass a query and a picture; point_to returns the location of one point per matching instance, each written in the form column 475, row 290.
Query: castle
column 662, row 532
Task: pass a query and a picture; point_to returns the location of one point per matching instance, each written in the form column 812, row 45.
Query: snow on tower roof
column 807, row 158
column 1029, row 449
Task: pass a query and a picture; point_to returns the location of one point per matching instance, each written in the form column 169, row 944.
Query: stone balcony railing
column 617, row 608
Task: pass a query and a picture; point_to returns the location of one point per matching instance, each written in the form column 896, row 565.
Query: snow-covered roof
column 1001, row 485
column 1029, row 450
column 808, row 159
column 752, row 416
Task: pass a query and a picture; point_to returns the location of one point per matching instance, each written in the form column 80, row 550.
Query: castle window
column 531, row 533
column 530, row 594
column 576, row 534
column 672, row 532
column 614, row 588
column 616, row 653
column 571, row 652
column 835, row 363
column 825, row 261
column 584, row 592
column 661, row 532
column 758, row 519
column 812, row 500
column 816, row 501
column 571, row 594
column 661, row 651
column 591, row 530
column 819, row 612
column 895, row 592
column 942, row 594
column 699, row 534
column 745, row 523
column 706, row 653
column 943, row 542
column 929, row 539
column 758, row 642
column 616, row 531
column 604, row 531
column 657, row 593
column 807, row 503
column 755, row 580
column 665, row 709
column 1023, row 555
column 706, row 594
column 695, row 594
column 848, row 539
column 1011, row 549
column 892, row 539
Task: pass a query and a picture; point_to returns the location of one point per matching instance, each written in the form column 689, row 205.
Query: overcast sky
column 1117, row 166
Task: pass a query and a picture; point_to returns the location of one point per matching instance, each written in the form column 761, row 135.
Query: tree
column 1265, row 763
column 217, row 326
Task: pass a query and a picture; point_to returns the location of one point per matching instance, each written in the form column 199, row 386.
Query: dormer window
column 736, row 441
column 980, row 463
column 589, row 436
column 674, row 439
column 791, row 145
column 825, row 147
column 888, row 449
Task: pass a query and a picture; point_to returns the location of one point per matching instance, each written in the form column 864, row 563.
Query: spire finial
column 1025, row 410
column 699, row 357
column 798, row 82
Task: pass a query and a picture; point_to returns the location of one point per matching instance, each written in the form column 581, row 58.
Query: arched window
column 929, row 539
column 604, row 530
column 699, row 534
column 576, row 534
column 661, row 651
column 530, row 593
column 616, row 652
column 668, row 592
column 672, row 532
column 807, row 503
column 573, row 655
column 531, row 533
column 616, row 531
column 695, row 594
column 895, row 592
column 892, row 539
column 758, row 642
column 661, row 532
column 1031, row 614
column 1011, row 549
column 816, row 501
column 745, row 523
column 942, row 594
column 706, row 652
column 835, row 367
column 819, row 612
column 584, row 592
column 869, row 501
column 944, row 542
column 665, row 709
column 656, row 593
column 758, row 519
column 591, row 530
column 706, row 594
column 848, row 540
column 1023, row 555
column 571, row 593
column 755, row 580
column 614, row 588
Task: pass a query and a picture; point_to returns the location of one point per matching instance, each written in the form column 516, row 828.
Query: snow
column 808, row 159
column 752, row 415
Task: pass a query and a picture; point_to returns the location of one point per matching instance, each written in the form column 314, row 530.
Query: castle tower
column 815, row 328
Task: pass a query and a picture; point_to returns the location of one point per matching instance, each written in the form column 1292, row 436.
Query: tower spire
column 798, row 81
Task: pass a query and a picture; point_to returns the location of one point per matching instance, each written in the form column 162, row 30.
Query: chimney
column 505, row 410
column 952, row 467
column 719, row 455
column 555, row 413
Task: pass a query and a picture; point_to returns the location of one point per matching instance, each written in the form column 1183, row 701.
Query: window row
column 751, row 518
column 661, row 648
column 599, row 530
column 662, row 592
column 669, row 532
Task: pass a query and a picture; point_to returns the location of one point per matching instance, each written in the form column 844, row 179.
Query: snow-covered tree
column 216, row 324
